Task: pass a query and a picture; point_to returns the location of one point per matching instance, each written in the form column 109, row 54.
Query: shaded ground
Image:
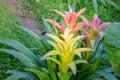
column 26, row 21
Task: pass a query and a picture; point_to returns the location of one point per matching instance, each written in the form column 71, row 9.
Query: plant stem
column 64, row 76
column 88, row 45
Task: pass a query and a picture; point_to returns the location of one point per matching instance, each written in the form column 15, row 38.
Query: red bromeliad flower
column 95, row 27
column 70, row 19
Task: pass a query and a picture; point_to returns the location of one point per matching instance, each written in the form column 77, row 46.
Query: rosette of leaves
column 66, row 49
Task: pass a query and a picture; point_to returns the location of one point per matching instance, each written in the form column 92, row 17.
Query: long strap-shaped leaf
column 112, row 3
column 47, row 27
column 24, row 59
column 95, row 5
column 106, row 75
column 20, row 47
column 41, row 42
column 20, row 75
column 72, row 65
column 41, row 75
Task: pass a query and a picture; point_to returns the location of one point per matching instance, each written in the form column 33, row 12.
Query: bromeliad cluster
column 67, row 47
column 70, row 19
column 95, row 28
column 62, row 61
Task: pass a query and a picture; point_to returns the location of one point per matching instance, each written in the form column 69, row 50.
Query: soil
column 26, row 21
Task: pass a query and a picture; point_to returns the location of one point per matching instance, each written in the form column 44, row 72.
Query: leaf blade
column 106, row 74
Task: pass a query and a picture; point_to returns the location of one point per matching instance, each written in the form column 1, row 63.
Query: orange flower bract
column 70, row 19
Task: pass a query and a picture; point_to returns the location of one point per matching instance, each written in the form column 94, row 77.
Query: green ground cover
column 44, row 8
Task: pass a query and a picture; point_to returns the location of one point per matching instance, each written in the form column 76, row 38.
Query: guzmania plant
column 74, row 55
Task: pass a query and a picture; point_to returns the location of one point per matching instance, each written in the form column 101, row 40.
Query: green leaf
column 95, row 5
column 12, row 71
column 22, row 75
column 73, row 6
column 64, row 76
column 112, row 43
column 47, row 27
column 56, row 31
column 42, row 43
column 73, row 67
column 53, row 59
column 103, row 1
column 24, row 59
column 112, row 3
column 96, row 63
column 99, row 79
column 40, row 74
column 106, row 74
column 20, row 47
column 80, row 61
column 92, row 43
column 51, row 70
column 94, row 77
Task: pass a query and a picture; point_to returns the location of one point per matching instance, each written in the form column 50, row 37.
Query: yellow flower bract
column 66, row 48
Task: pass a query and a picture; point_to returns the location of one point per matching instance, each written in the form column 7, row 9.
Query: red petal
column 73, row 19
column 55, row 23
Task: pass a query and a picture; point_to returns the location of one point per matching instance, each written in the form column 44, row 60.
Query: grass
column 106, row 13
column 8, row 29
column 45, row 8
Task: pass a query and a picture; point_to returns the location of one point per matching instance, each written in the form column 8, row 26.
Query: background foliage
column 44, row 7
column 112, row 43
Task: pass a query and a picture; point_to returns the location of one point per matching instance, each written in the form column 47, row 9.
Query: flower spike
column 94, row 28
column 70, row 19
column 65, row 48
